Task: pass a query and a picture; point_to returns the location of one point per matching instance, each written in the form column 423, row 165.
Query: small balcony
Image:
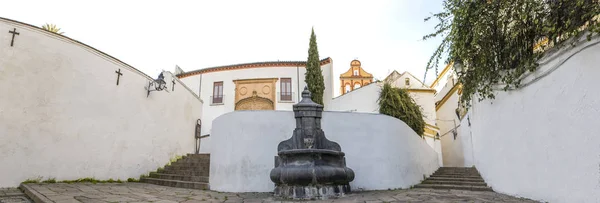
column 216, row 100
column 286, row 97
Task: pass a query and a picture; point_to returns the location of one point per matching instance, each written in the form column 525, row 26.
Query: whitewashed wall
column 63, row 116
column 363, row 99
column 426, row 101
column 542, row 141
column 205, row 82
column 383, row 151
column 456, row 152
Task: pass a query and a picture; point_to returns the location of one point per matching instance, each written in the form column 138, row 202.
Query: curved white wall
column 63, row 116
column 383, row 151
column 363, row 100
column 543, row 141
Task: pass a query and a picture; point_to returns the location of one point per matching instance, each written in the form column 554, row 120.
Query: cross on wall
column 118, row 75
column 13, row 32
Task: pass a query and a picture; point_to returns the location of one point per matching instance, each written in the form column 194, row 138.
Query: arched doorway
column 254, row 103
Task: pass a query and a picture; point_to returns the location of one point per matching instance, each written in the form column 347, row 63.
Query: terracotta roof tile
column 250, row 65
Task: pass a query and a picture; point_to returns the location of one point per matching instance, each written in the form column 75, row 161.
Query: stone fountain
column 308, row 165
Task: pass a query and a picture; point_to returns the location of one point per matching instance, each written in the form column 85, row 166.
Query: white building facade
column 251, row 86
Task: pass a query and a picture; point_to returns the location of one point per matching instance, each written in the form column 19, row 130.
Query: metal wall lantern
column 459, row 67
column 157, row 84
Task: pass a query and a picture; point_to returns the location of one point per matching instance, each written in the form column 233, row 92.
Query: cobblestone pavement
column 12, row 195
column 140, row 192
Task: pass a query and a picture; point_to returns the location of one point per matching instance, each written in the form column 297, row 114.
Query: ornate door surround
column 255, row 94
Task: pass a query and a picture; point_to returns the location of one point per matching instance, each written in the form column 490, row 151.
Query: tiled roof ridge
column 249, row 65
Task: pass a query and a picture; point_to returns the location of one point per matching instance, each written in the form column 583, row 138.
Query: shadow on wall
column 383, row 151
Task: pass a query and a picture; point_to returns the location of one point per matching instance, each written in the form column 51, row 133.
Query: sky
column 385, row 35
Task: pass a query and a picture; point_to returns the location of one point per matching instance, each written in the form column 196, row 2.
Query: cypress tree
column 314, row 75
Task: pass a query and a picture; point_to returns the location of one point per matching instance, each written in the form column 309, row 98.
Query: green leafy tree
column 314, row 74
column 396, row 102
column 52, row 28
column 494, row 40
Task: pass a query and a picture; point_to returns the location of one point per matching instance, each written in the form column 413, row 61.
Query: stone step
column 449, row 182
column 179, row 163
column 456, row 179
column 176, row 183
column 456, row 176
column 194, row 160
column 198, row 155
column 454, row 187
column 184, row 172
column 202, row 179
column 457, row 168
column 440, row 171
column 181, row 167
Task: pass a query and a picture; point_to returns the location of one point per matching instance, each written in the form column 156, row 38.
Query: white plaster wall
column 206, row 81
column 414, row 83
column 446, row 87
column 456, row 152
column 426, row 101
column 363, row 99
column 194, row 84
column 63, row 116
column 375, row 145
column 542, row 141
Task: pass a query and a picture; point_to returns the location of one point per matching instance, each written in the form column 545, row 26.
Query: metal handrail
column 198, row 138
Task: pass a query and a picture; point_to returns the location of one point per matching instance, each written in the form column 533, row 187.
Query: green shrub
column 32, row 180
column 396, row 102
column 50, row 180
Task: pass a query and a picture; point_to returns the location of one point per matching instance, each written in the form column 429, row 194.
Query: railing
column 217, row 100
column 286, row 96
column 197, row 136
column 198, row 139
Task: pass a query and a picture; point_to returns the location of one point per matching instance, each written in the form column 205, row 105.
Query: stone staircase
column 189, row 172
column 456, row 178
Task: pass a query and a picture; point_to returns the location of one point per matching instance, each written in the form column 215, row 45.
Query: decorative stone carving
column 310, row 166
column 247, row 89
column 254, row 103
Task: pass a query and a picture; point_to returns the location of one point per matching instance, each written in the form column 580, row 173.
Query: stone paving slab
column 142, row 192
column 13, row 195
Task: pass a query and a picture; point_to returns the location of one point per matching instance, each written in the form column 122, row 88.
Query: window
column 355, row 72
column 357, row 85
column 217, row 97
column 407, row 81
column 347, row 88
column 286, row 89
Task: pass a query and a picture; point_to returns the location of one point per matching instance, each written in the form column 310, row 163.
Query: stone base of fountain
column 305, row 174
column 311, row 192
